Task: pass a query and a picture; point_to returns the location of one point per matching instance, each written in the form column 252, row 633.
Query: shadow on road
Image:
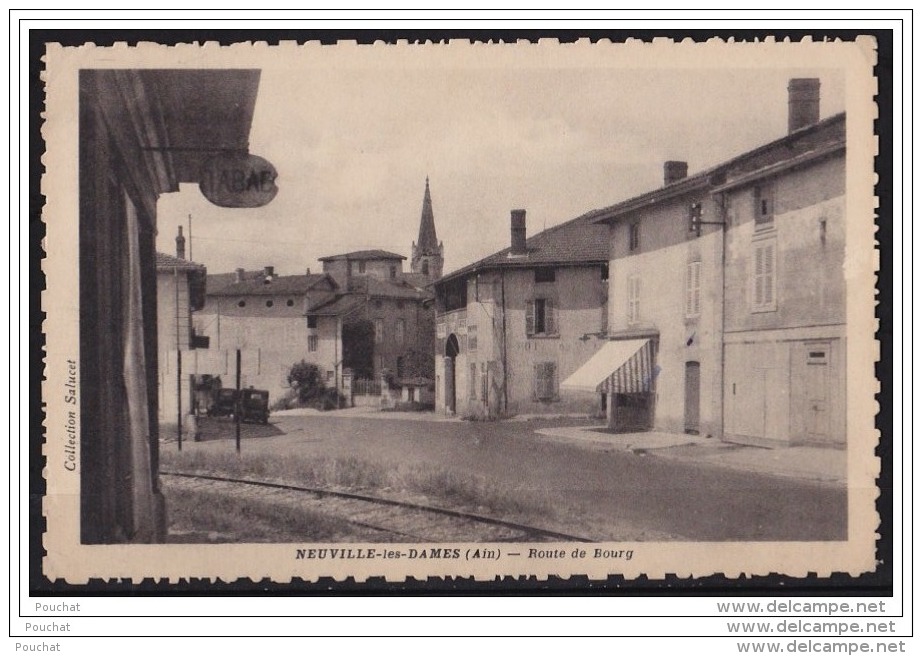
column 223, row 428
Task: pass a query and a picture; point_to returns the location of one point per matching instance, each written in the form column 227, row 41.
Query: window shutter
column 689, row 273
column 759, row 275
column 551, row 377
column 529, row 317
column 550, row 323
column 768, row 278
column 634, row 294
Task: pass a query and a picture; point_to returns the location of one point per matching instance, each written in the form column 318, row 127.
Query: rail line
column 444, row 512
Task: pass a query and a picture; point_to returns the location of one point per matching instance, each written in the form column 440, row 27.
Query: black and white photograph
column 471, row 309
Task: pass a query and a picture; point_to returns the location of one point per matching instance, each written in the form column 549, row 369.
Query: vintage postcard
column 460, row 310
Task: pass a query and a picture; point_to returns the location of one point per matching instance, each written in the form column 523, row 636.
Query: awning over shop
column 623, row 366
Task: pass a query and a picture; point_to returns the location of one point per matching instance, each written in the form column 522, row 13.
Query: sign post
column 238, row 406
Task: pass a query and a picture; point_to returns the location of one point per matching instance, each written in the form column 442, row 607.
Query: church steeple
column 428, row 252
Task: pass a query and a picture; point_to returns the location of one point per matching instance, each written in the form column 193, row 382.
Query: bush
column 307, row 380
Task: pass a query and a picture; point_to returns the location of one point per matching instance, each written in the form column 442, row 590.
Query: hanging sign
column 238, row 180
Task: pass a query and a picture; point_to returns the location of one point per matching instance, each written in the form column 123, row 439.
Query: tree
column 307, row 379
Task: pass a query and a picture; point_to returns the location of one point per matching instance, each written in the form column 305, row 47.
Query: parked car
column 225, row 403
column 254, row 405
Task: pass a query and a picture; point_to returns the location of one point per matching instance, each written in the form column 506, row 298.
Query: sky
column 353, row 145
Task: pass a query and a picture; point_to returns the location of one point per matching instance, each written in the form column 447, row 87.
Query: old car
column 254, row 405
column 225, row 402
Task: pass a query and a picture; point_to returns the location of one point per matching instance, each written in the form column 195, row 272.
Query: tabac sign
column 238, row 180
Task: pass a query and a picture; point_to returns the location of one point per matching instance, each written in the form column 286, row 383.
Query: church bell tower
column 428, row 252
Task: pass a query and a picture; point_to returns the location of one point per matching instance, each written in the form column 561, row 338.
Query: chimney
column 180, row 245
column 518, row 233
column 674, row 171
column 803, row 102
column 307, row 272
column 269, row 272
column 239, row 275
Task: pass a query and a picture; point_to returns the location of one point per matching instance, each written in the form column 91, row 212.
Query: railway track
column 394, row 520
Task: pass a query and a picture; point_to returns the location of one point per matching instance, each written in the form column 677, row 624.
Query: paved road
column 685, row 500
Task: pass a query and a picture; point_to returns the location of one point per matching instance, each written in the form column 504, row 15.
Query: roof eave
column 781, row 167
column 686, row 186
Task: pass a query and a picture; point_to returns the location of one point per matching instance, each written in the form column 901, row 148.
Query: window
column 545, row 381
column 633, row 299
column 539, row 317
column 425, row 267
column 362, row 267
column 545, row 274
column 379, row 331
column 269, row 303
column 764, row 205
column 604, row 272
column 312, row 322
column 453, row 295
column 393, row 271
column 763, row 277
column 289, row 303
column 352, row 267
column 399, row 366
column 329, row 375
column 472, row 383
column 472, row 337
column 312, row 341
column 241, row 303
column 399, row 335
column 693, row 289
column 694, row 218
column 634, row 236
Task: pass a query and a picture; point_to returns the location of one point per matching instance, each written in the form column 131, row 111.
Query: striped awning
column 621, row 366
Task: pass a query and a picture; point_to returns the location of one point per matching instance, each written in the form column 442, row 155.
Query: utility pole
column 238, row 406
column 178, row 362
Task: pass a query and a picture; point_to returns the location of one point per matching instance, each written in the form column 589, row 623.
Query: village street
column 682, row 498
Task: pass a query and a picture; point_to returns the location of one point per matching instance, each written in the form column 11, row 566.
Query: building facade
column 180, row 292
column 784, row 325
column 665, row 286
column 265, row 316
column 728, row 294
column 362, row 318
column 510, row 327
column 141, row 133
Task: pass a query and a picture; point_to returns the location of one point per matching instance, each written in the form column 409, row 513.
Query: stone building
column 362, row 315
column 728, row 293
column 510, row 327
column 180, row 292
column 265, row 316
